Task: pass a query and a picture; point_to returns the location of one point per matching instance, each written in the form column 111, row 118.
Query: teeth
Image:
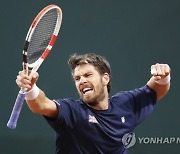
column 86, row 89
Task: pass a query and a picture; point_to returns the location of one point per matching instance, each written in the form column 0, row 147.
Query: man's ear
column 106, row 79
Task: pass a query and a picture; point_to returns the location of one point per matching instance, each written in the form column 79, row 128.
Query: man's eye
column 87, row 75
column 77, row 79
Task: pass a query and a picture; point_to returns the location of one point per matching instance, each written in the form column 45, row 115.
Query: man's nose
column 83, row 80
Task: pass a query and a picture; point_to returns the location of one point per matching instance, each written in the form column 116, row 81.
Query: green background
column 133, row 35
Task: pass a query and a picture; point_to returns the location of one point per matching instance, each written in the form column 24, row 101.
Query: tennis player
column 95, row 123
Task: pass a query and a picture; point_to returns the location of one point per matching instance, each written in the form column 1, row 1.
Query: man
column 95, row 123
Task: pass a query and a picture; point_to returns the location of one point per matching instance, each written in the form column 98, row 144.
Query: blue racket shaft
column 16, row 110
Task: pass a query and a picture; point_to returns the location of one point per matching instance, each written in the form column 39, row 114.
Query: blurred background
column 132, row 35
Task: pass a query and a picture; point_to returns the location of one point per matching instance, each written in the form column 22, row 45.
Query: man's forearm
column 161, row 89
column 43, row 105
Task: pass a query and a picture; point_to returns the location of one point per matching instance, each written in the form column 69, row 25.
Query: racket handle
column 16, row 110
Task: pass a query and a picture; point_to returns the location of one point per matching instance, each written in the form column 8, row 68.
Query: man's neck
column 101, row 105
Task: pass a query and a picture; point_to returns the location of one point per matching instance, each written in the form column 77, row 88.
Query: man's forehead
column 83, row 68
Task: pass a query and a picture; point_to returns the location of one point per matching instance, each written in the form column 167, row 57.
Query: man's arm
column 160, row 80
column 35, row 97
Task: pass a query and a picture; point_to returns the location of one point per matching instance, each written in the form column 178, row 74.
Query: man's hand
column 160, row 71
column 160, row 80
column 25, row 81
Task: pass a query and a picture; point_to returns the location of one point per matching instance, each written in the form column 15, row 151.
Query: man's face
column 91, row 86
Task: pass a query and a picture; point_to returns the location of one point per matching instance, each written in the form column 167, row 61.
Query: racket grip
column 16, row 110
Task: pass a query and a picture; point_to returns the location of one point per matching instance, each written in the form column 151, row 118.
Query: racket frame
column 34, row 66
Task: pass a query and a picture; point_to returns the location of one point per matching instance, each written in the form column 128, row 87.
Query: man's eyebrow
column 88, row 72
column 75, row 76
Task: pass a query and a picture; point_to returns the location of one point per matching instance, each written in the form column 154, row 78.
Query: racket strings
column 41, row 36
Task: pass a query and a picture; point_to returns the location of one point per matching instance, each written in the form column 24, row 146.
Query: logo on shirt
column 92, row 119
column 123, row 119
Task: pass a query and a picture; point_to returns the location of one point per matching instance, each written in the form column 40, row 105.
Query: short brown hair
column 99, row 62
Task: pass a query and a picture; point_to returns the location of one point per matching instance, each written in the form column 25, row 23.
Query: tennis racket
column 39, row 41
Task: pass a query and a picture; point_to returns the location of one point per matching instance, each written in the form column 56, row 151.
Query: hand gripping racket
column 39, row 41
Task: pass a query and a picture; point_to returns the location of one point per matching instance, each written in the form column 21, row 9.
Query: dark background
column 132, row 35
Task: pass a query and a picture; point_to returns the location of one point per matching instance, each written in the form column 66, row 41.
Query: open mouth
column 87, row 90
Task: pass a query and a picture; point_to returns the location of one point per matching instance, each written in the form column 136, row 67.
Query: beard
column 97, row 96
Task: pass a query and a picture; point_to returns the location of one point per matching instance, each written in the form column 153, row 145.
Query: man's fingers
column 25, row 81
column 153, row 70
column 35, row 77
column 22, row 84
column 167, row 69
column 160, row 70
column 23, row 74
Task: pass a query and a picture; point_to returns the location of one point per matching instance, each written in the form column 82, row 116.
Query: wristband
column 164, row 81
column 33, row 93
